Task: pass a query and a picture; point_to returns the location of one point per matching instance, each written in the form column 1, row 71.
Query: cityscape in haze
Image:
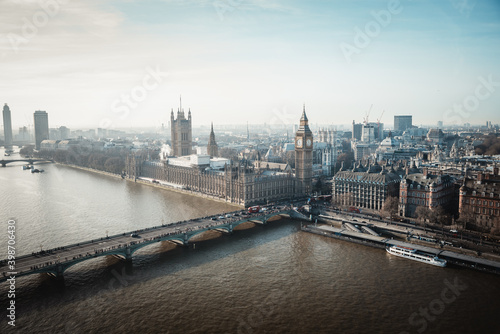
column 220, row 166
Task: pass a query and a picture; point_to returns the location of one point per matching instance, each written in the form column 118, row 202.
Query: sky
column 122, row 64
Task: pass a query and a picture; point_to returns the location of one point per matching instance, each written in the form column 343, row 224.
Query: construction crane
column 365, row 120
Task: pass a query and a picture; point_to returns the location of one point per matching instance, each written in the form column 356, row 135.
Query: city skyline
column 250, row 61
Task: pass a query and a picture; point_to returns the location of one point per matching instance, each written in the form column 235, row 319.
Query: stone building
column 303, row 155
column 480, row 200
column 364, row 187
column 239, row 182
column 212, row 148
column 426, row 190
column 181, row 133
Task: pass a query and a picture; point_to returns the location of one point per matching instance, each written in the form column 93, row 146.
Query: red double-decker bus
column 254, row 209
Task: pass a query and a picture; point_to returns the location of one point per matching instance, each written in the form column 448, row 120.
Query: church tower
column 181, row 133
column 212, row 148
column 303, row 156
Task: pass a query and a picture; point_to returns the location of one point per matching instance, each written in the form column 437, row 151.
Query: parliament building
column 240, row 182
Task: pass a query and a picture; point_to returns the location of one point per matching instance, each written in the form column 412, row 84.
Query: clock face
column 299, row 142
column 308, row 142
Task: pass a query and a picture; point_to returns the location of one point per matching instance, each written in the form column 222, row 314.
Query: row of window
column 485, row 203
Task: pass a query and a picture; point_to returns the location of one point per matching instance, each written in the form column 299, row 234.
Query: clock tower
column 303, row 156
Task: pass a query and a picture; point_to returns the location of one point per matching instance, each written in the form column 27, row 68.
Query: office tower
column 7, row 126
column 401, row 123
column 41, row 119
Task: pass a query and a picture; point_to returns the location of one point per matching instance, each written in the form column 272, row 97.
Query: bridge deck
column 57, row 260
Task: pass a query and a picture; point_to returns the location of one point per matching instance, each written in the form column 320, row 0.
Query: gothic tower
column 303, row 156
column 212, row 148
column 181, row 133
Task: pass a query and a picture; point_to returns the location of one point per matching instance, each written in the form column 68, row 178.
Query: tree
column 390, row 207
column 27, row 150
column 422, row 213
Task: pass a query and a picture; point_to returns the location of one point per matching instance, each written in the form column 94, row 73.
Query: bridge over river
column 30, row 161
column 56, row 261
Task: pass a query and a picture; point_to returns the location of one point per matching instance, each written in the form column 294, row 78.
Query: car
column 134, row 235
column 213, row 218
column 236, row 214
column 228, row 215
column 221, row 217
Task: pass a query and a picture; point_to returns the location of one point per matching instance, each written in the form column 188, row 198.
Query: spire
column 304, row 117
column 212, row 128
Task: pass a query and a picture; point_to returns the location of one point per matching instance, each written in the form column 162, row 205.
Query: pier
column 368, row 239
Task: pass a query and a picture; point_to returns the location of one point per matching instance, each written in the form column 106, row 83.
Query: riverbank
column 150, row 184
column 452, row 257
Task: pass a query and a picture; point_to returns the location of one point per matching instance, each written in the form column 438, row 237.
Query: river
column 267, row 279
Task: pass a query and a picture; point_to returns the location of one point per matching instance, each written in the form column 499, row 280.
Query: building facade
column 480, row 200
column 7, row 126
column 402, row 122
column 181, row 133
column 365, row 187
column 303, row 155
column 41, row 121
column 239, row 182
column 424, row 190
column 212, row 148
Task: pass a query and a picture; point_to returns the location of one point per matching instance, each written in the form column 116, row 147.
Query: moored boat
column 413, row 254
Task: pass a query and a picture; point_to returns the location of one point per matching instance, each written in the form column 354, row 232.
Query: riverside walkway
column 55, row 261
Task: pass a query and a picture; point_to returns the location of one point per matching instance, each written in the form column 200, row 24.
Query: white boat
column 413, row 254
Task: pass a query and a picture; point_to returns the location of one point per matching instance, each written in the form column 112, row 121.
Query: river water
column 266, row 279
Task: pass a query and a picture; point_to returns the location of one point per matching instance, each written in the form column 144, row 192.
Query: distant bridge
column 56, row 261
column 28, row 160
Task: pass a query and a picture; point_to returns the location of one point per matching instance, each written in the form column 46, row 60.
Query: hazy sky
column 124, row 63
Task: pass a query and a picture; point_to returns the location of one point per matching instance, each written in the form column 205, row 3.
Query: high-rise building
column 7, row 126
column 181, row 133
column 212, row 148
column 41, row 119
column 401, row 123
column 303, row 156
column 356, row 130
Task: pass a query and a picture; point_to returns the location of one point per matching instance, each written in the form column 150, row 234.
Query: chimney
column 425, row 172
column 495, row 171
column 480, row 177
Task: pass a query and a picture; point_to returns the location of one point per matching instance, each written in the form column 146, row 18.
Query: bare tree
column 422, row 213
column 390, row 207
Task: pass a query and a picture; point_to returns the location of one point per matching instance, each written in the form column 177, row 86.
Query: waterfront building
column 479, row 200
column 303, row 155
column 402, row 122
column 181, row 133
column 426, row 190
column 365, row 187
column 41, row 121
column 212, row 148
column 7, row 126
column 239, row 182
